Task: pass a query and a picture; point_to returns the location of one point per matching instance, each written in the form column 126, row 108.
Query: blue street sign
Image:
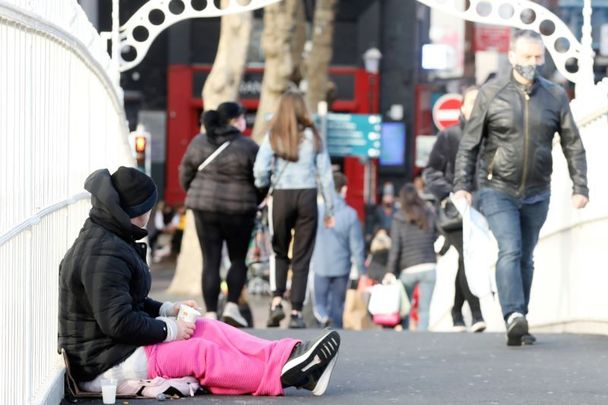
column 354, row 135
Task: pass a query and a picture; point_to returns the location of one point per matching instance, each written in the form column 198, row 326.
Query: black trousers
column 293, row 210
column 462, row 291
column 212, row 230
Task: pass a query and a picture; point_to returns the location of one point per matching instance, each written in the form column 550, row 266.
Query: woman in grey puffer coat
column 412, row 256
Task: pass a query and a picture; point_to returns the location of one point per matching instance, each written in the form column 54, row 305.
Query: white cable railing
column 61, row 117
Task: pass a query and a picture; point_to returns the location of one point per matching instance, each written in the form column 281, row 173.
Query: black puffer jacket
column 411, row 245
column 226, row 184
column 516, row 129
column 439, row 172
column 104, row 281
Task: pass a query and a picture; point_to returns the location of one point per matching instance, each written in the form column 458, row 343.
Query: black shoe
column 311, row 363
column 517, row 327
column 459, row 326
column 528, row 339
column 275, row 316
column 297, row 322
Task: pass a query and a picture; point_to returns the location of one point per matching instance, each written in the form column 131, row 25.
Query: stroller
column 258, row 255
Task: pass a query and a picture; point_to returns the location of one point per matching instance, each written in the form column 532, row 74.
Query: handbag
column 355, row 316
column 448, row 217
column 388, row 303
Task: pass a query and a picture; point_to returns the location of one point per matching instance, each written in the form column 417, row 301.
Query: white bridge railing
column 61, row 117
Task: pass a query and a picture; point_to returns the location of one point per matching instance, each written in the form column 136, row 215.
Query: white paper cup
column 187, row 313
column 108, row 391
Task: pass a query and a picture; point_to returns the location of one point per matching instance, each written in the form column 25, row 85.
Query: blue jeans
column 330, row 293
column 426, row 282
column 515, row 224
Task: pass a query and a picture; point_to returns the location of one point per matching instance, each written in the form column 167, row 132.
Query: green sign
column 354, row 135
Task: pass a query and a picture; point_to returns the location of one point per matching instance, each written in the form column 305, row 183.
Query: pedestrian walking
column 439, row 179
column 110, row 328
column 217, row 174
column 381, row 215
column 412, row 256
column 510, row 133
column 291, row 157
column 337, row 250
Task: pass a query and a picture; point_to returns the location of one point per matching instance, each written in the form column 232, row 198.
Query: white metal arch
column 137, row 34
column 559, row 40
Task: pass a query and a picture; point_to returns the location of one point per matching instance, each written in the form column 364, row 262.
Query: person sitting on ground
column 165, row 222
column 110, row 329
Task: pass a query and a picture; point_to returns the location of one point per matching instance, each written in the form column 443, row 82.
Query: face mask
column 528, row 72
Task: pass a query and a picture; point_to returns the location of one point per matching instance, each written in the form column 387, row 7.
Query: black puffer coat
column 104, row 281
column 226, row 184
column 439, row 172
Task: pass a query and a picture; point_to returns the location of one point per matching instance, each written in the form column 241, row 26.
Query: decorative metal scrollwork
column 570, row 57
column 152, row 18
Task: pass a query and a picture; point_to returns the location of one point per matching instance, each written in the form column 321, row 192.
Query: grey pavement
column 384, row 366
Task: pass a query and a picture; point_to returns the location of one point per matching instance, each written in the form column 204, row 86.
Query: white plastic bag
column 479, row 248
column 389, row 302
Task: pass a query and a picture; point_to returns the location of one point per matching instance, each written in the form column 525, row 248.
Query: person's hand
column 363, row 283
column 190, row 303
column 579, row 201
column 464, row 194
column 184, row 330
column 389, row 278
column 329, row 222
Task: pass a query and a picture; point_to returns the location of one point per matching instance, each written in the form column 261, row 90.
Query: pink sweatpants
column 224, row 359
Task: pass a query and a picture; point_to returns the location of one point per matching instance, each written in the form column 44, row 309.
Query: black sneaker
column 297, row 321
column 517, row 327
column 275, row 316
column 311, row 363
column 528, row 339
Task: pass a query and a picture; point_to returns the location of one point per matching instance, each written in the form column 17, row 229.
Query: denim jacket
column 338, row 248
column 302, row 174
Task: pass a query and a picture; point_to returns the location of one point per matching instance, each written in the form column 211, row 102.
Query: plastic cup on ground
column 108, row 391
column 187, row 313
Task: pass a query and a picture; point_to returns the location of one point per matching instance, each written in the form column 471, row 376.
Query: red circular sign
column 446, row 111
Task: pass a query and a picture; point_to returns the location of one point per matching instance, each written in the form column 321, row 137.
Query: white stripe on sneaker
column 314, row 362
column 323, row 382
column 303, row 357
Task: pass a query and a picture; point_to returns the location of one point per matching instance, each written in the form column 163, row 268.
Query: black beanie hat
column 137, row 191
column 225, row 112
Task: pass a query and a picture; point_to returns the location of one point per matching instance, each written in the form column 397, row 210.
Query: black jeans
column 462, row 291
column 293, row 210
column 212, row 230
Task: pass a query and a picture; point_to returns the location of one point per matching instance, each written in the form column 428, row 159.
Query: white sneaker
column 210, row 315
column 478, row 327
column 232, row 316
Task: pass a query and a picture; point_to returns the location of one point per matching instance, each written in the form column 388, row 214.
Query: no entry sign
column 446, row 111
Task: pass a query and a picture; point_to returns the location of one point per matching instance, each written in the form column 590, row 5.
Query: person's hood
column 106, row 210
column 223, row 134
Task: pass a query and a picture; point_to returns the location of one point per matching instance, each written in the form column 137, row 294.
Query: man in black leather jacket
column 511, row 132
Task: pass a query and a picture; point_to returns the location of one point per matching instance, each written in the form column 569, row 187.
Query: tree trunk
column 225, row 77
column 280, row 21
column 321, row 53
column 221, row 85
